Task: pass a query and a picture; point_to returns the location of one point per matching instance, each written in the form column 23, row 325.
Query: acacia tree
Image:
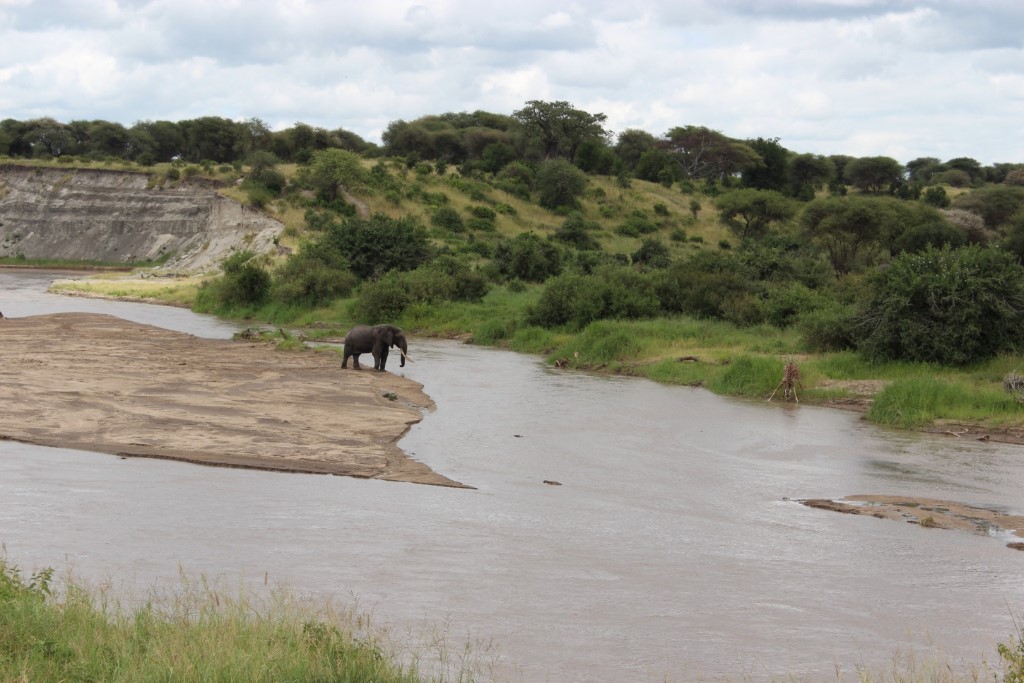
column 874, row 174
column 559, row 128
column 749, row 212
column 808, row 173
column 844, row 227
column 704, row 153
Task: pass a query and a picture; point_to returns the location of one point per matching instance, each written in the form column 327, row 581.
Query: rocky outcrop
column 117, row 216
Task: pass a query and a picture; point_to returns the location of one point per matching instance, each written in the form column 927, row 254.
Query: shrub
column 611, row 292
column 937, row 197
column 484, row 212
column 311, row 281
column 377, row 244
column 528, row 257
column 828, row 328
column 244, row 282
column 783, row 303
column 950, row 306
column 381, row 301
column 635, row 225
column 575, row 231
column 652, row 254
column 560, row 183
column 708, row 285
column 447, row 218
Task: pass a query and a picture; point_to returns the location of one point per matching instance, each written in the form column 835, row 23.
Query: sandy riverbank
column 100, row 383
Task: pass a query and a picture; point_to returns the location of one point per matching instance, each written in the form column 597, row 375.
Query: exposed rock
column 116, row 216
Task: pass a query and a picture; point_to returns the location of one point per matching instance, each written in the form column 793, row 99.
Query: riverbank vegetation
column 688, row 257
column 63, row 631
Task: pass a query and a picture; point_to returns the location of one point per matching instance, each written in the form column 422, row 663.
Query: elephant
column 376, row 340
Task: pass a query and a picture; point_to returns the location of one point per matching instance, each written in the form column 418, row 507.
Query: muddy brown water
column 670, row 551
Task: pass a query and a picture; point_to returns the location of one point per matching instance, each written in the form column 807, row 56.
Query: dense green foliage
column 952, row 306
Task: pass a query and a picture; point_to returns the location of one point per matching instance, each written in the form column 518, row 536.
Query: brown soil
column 927, row 512
column 100, row 383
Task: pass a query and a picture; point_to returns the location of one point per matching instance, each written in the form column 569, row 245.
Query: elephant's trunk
column 401, row 349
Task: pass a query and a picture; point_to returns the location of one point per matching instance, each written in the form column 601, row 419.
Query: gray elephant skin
column 377, row 340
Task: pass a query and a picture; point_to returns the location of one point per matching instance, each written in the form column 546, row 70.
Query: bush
column 311, row 281
column 244, row 282
column 950, row 306
column 376, row 245
column 611, row 292
column 652, row 254
column 828, row 328
column 528, row 257
column 447, row 218
column 937, row 197
column 785, row 302
column 381, row 301
column 575, row 231
column 484, row 212
column 560, row 183
column 709, row 285
column 635, row 225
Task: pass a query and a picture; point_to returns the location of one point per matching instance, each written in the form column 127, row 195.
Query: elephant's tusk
column 406, row 356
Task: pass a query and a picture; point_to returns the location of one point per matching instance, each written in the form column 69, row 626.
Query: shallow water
column 669, row 550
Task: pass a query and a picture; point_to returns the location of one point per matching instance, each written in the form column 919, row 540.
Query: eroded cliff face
column 115, row 216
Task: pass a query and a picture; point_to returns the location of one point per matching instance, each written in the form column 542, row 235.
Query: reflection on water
column 669, row 550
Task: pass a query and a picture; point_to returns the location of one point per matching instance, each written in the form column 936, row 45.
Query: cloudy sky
column 942, row 78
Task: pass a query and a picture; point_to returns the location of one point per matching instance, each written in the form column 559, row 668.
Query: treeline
column 487, row 142
column 206, row 139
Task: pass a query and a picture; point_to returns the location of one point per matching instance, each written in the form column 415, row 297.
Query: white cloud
column 934, row 78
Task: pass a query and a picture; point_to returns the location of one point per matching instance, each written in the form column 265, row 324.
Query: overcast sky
column 942, row 78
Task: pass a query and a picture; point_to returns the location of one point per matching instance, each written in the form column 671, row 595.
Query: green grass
column 200, row 632
column 200, row 635
column 919, row 401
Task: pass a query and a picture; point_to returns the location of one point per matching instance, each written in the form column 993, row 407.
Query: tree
column 874, row 174
column 844, row 227
column 48, row 137
column 164, row 140
column 211, row 137
column 922, row 169
column 332, row 170
column 749, row 212
column 950, row 306
column 969, row 166
column 559, row 128
column 772, row 171
column 707, row 154
column 631, row 145
column 560, row 184
column 808, row 173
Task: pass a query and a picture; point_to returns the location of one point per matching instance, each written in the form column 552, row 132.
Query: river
column 671, row 550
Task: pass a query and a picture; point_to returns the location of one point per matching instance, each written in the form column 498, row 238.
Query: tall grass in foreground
column 197, row 634
column 200, row 634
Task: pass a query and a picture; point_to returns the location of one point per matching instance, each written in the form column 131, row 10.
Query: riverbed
column 668, row 546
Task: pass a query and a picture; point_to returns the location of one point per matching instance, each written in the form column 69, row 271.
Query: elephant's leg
column 383, row 359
